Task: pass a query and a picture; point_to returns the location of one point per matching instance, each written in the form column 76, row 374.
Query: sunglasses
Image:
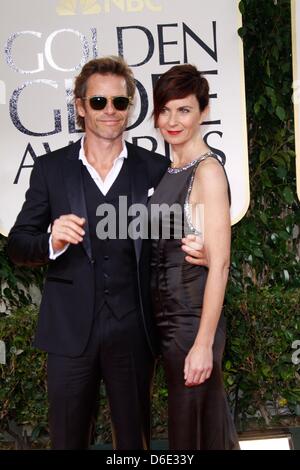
column 120, row 103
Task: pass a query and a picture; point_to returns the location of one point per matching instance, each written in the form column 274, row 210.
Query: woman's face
column 179, row 120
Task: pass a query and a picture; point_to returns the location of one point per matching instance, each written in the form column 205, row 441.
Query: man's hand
column 67, row 229
column 192, row 245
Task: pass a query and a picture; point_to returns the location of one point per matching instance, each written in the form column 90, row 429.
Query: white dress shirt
column 103, row 185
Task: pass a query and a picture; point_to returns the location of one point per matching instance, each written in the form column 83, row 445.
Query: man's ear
column 80, row 107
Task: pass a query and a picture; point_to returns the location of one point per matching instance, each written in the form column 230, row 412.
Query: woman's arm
column 210, row 188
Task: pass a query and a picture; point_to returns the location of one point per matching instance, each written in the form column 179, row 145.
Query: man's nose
column 109, row 108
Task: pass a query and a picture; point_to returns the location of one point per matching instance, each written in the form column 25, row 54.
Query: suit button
column 106, row 291
column 106, row 276
column 106, row 257
column 92, row 261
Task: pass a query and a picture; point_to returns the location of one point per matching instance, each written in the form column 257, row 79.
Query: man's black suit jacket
column 67, row 306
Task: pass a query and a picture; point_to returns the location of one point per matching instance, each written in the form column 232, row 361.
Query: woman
column 188, row 299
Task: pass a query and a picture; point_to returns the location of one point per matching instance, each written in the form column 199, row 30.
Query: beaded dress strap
column 187, row 212
column 196, row 161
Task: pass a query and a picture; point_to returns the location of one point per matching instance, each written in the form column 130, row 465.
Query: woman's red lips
column 173, row 132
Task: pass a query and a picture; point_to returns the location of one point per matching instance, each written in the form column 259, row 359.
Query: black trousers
column 118, row 354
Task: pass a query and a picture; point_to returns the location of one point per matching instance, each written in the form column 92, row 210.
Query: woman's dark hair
column 177, row 83
column 110, row 65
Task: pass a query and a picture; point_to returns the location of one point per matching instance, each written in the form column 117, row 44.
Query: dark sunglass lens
column 98, row 102
column 121, row 102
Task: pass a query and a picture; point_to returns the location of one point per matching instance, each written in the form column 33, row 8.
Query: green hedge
column 261, row 378
column 23, row 394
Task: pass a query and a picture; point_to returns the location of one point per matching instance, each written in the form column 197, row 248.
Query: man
column 95, row 317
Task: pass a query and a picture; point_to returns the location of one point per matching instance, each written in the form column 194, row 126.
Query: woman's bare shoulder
column 210, row 172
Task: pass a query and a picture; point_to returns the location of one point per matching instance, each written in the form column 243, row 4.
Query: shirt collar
column 123, row 154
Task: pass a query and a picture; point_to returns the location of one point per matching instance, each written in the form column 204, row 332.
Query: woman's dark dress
column 199, row 417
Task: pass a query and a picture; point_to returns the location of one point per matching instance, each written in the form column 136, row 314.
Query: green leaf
column 284, row 235
column 266, row 180
column 258, row 253
column 263, row 218
column 242, row 32
column 242, row 8
column 288, row 195
column 266, row 370
column 280, row 113
column 230, row 380
column 281, row 172
column 256, row 107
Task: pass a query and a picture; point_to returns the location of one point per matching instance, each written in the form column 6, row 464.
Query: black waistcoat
column 114, row 259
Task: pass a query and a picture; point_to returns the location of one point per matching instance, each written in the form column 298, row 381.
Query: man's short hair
column 110, row 65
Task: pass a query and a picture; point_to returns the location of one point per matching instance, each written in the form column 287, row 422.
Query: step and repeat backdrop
column 45, row 43
column 295, row 9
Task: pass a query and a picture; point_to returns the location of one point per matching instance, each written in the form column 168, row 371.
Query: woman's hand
column 192, row 245
column 198, row 365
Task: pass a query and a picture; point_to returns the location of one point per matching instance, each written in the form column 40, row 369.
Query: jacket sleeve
column 28, row 240
column 159, row 170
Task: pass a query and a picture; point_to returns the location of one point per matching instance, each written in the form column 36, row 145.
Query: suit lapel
column 74, row 187
column 139, row 187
